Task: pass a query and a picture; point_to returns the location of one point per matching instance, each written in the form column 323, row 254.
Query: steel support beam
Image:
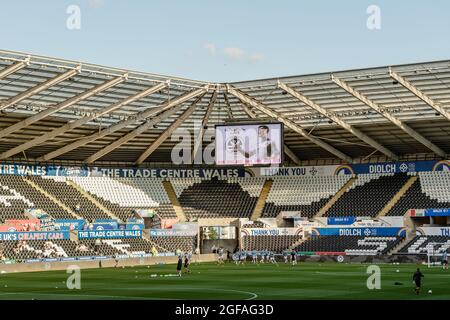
column 199, row 139
column 287, row 150
column 229, row 112
column 390, row 117
column 162, row 137
column 67, row 103
column 41, row 87
column 14, row 68
column 419, row 94
column 131, row 135
column 77, row 123
column 288, row 123
column 143, row 116
column 338, row 120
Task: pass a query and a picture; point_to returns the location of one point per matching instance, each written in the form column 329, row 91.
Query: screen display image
column 249, row 144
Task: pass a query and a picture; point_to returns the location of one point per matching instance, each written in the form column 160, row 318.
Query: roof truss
column 77, row 123
column 422, row 96
column 163, row 136
column 338, row 121
column 390, row 117
column 290, row 124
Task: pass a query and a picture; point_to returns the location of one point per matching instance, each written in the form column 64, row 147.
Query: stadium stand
column 351, row 245
column 431, row 190
column 304, row 194
column 32, row 197
column 111, row 247
column 272, row 243
column 37, row 249
column 175, row 243
column 12, row 204
column 421, row 244
column 106, row 117
column 70, row 196
column 122, row 196
column 368, row 195
column 207, row 199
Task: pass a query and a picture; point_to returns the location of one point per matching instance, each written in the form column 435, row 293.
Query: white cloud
column 234, row 53
column 211, row 47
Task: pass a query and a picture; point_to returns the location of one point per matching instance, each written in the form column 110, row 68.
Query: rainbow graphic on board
column 343, row 169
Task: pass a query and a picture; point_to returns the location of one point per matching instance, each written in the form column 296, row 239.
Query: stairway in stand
column 335, row 198
column 397, row 196
column 259, row 207
column 174, row 200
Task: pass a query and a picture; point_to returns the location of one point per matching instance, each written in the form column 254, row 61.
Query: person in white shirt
column 445, row 260
column 266, row 149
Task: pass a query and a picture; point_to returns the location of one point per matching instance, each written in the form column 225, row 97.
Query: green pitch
column 209, row 281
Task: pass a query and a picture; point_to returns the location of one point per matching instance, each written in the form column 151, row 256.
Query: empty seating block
column 70, row 196
column 175, row 243
column 351, row 245
column 368, row 195
column 38, row 249
column 27, row 197
column 422, row 244
column 253, row 185
column 304, row 194
column 271, row 243
column 112, row 247
column 122, row 196
column 216, row 199
column 430, row 191
column 12, row 204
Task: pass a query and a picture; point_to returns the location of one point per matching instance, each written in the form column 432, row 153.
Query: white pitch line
column 82, row 295
column 252, row 294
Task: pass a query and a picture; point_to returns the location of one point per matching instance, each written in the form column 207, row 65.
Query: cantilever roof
column 39, row 88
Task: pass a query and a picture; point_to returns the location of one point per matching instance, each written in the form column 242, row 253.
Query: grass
column 209, row 281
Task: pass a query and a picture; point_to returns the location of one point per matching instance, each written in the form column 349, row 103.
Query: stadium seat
column 368, row 195
column 304, row 194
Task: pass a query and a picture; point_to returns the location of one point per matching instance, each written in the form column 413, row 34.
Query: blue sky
column 230, row 40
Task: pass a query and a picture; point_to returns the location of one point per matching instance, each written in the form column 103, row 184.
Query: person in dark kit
column 228, row 256
column 179, row 265
column 186, row 264
column 293, row 258
column 417, row 278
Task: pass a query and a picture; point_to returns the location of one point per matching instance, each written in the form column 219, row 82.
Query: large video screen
column 249, row 144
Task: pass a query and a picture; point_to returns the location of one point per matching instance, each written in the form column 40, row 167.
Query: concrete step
column 259, row 207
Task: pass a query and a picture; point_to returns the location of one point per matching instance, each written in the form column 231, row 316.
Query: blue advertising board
column 171, row 232
column 84, row 171
column 63, row 224
column 437, row 212
column 105, row 225
column 367, row 232
column 209, row 173
column 400, row 167
column 109, row 234
column 34, row 235
column 134, row 226
column 341, row 220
